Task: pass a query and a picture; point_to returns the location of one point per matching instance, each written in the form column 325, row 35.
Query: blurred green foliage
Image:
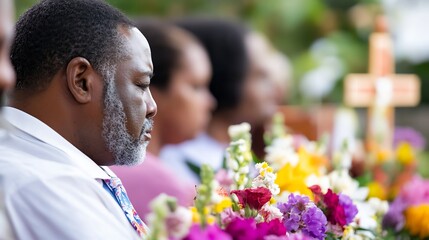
column 293, row 26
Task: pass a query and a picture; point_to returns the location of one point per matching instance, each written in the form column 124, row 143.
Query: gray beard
column 125, row 149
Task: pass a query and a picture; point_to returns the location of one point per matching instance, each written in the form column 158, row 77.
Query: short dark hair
column 166, row 43
column 224, row 41
column 53, row 32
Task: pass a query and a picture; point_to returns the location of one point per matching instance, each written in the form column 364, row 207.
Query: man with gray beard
column 81, row 103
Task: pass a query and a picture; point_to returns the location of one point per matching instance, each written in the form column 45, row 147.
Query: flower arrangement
column 296, row 193
column 277, row 203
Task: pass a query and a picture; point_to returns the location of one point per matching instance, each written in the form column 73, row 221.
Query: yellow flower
column 292, row 178
column 377, row 190
column 195, row 215
column 224, row 203
column 211, row 220
column 417, row 220
column 405, row 153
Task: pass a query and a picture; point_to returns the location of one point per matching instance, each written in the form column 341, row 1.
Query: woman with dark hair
column 180, row 88
column 240, row 84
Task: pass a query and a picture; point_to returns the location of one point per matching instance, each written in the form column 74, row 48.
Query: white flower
column 283, row 197
column 280, row 152
column 266, row 178
column 380, row 206
column 162, row 207
column 159, row 204
column 237, row 131
column 233, row 165
column 365, row 217
column 341, row 181
column 322, row 181
column 270, row 212
column 179, row 222
column 351, row 234
column 244, row 169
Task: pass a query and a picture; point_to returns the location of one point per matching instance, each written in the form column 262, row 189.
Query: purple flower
column 315, row 222
column 299, row 214
column 292, row 211
column 409, row 135
column 394, row 218
column 211, row 232
column 350, row 209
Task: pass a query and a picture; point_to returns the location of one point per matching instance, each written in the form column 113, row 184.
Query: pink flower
column 211, row 232
column 227, row 216
column 272, row 228
column 416, row 191
column 224, row 179
column 242, row 229
column 255, row 198
column 248, row 229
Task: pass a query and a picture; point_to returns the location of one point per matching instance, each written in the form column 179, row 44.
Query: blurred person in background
column 279, row 71
column 180, row 88
column 7, row 75
column 240, row 85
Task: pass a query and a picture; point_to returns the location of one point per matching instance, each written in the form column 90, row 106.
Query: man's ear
column 81, row 77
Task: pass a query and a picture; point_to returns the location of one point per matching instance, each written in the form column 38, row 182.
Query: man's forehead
column 137, row 48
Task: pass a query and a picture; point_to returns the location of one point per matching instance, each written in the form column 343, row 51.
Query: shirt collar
column 44, row 133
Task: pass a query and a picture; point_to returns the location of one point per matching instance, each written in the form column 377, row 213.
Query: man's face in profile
column 7, row 75
column 128, row 103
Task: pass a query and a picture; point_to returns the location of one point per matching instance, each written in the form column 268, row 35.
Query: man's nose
column 151, row 107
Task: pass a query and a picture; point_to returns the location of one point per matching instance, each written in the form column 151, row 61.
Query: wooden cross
column 381, row 90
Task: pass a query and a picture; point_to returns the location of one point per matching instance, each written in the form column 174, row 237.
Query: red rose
column 255, row 198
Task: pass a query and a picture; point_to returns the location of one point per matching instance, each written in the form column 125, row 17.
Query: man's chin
column 134, row 160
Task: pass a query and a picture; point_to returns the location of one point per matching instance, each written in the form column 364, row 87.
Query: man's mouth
column 147, row 136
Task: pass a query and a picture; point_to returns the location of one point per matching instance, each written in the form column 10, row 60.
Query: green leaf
column 194, row 168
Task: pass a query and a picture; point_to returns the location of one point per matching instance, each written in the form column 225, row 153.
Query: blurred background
column 324, row 39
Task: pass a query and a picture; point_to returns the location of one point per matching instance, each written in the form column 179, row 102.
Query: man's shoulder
column 19, row 170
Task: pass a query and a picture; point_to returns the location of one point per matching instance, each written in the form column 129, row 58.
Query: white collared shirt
column 50, row 189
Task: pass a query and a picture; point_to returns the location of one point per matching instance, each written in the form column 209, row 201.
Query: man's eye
column 143, row 86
